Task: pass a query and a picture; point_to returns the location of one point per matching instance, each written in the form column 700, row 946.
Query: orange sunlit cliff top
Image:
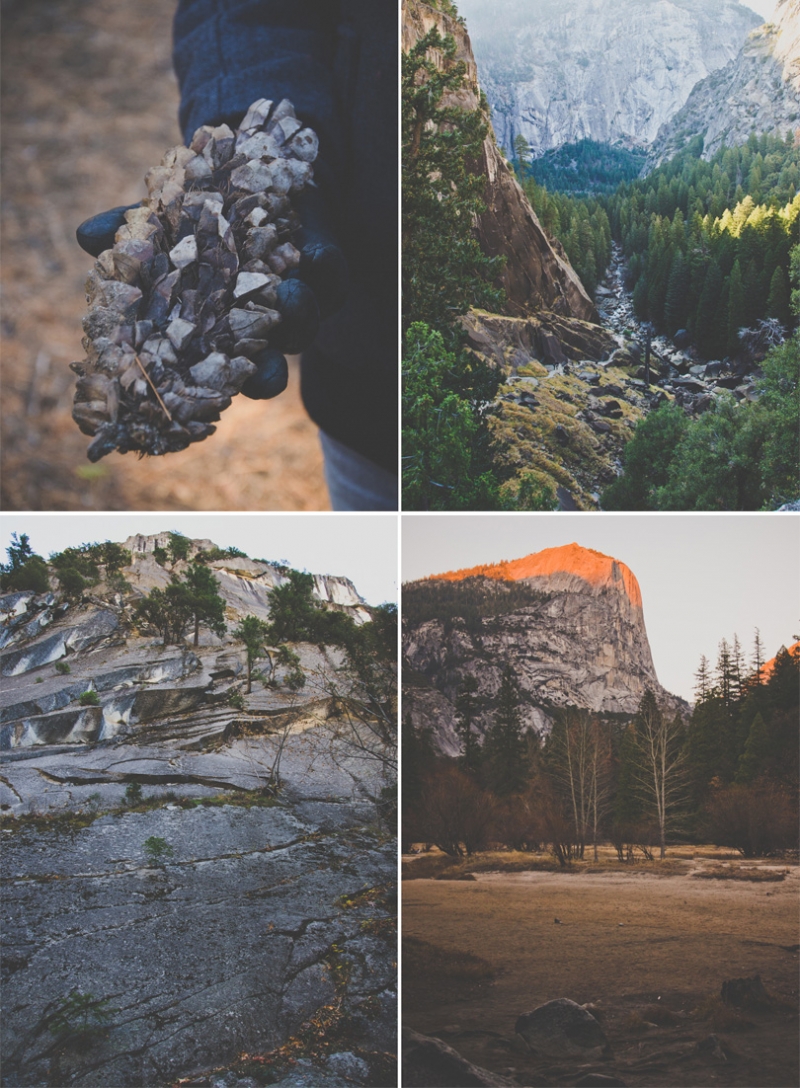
column 769, row 667
column 585, row 563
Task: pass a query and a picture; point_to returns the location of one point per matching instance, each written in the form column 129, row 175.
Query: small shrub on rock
column 80, row 1019
column 89, row 698
column 133, row 793
column 157, row 849
column 72, row 583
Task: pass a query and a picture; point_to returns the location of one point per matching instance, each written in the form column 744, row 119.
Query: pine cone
column 186, row 306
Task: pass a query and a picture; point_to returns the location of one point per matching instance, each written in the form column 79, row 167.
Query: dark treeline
column 563, row 187
column 729, row 775
column 469, row 599
column 76, row 569
column 582, row 168
column 707, row 243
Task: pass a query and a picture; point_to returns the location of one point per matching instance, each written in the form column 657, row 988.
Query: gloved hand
column 310, row 294
column 97, row 234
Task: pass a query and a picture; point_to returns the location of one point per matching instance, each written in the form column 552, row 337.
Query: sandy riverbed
column 631, row 942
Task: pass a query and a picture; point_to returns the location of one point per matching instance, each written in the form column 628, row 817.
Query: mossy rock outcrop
column 565, row 412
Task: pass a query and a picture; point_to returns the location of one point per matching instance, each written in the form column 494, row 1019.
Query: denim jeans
column 354, row 482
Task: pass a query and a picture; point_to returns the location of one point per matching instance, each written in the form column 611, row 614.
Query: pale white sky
column 703, row 577
column 764, row 8
column 362, row 547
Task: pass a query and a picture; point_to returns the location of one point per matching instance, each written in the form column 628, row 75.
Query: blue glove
column 310, row 294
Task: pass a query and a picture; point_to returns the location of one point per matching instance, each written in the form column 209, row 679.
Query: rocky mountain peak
column 572, row 560
column 757, row 91
column 568, row 620
column 559, row 72
column 146, row 543
column 786, row 39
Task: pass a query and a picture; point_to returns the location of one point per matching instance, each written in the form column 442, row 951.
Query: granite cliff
column 559, row 72
column 537, row 274
column 99, row 645
column 192, row 872
column 568, row 620
column 758, row 91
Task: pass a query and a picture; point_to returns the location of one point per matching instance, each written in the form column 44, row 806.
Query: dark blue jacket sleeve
column 338, row 62
column 228, row 53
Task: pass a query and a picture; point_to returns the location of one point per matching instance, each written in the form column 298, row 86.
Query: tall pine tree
column 467, row 707
column 505, row 750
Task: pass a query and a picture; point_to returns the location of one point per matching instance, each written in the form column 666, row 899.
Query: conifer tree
column 467, row 706
column 522, row 150
column 676, row 305
column 168, row 610
column 446, row 446
column 204, row 600
column 710, row 327
column 505, row 750
column 737, row 669
column 444, row 270
column 178, row 547
column 293, row 611
column 778, row 298
column 254, row 633
column 24, row 569
column 758, row 659
column 702, row 688
column 735, row 308
column 723, row 673
column 756, row 750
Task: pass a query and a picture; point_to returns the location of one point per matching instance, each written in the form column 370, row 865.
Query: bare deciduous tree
column 579, row 762
column 662, row 770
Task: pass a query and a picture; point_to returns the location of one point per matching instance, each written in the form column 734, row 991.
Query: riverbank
column 649, row 952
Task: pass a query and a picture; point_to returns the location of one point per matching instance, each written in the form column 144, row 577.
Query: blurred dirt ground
column 89, row 105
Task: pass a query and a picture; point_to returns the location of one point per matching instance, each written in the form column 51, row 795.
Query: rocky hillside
column 244, row 582
column 559, row 71
column 537, row 274
column 758, row 91
column 568, row 620
column 149, row 802
column 53, row 650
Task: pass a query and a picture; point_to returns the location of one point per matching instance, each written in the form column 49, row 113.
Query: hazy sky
column 703, row 577
column 764, row 8
column 362, row 547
